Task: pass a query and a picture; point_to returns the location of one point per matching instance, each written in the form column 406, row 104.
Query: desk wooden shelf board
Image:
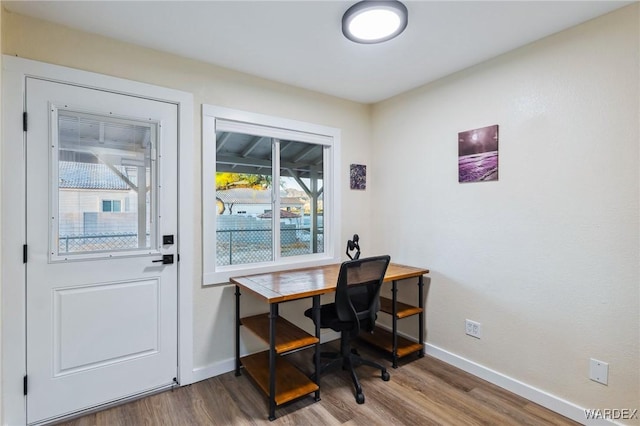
column 288, row 336
column 403, row 310
column 290, row 383
column 383, row 339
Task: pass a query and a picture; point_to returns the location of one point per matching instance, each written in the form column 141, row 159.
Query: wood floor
column 421, row 391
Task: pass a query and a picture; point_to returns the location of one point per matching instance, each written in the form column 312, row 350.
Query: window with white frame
column 270, row 194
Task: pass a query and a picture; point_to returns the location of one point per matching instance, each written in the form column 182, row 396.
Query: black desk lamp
column 353, row 245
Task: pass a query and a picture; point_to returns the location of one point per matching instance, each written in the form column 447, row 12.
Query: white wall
column 547, row 258
column 213, row 306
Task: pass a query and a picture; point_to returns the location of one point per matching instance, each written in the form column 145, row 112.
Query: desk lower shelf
column 288, row 336
column 403, row 310
column 291, row 383
column 383, row 339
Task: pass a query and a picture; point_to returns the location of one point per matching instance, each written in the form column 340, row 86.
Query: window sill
column 222, row 274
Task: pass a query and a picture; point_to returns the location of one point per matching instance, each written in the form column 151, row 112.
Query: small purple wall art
column 358, row 176
column 478, row 155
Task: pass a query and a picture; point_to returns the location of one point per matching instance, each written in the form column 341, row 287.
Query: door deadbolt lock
column 167, row 239
column 167, row 259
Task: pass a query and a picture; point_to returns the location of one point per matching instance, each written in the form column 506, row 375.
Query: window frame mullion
column 275, row 198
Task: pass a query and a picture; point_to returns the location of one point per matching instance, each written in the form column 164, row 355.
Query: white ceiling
column 300, row 42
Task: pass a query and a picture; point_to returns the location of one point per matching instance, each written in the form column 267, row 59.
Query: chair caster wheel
column 360, row 398
column 386, row 376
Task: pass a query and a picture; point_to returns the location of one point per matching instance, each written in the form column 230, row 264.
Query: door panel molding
column 76, row 318
column 13, row 222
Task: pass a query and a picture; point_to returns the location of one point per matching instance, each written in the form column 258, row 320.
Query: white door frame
column 13, row 224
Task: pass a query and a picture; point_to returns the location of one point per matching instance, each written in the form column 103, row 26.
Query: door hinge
column 24, row 253
column 24, row 121
column 24, row 383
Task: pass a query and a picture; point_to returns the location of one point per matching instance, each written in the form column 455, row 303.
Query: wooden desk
column 283, row 337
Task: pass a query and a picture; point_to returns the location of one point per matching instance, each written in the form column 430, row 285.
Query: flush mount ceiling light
column 374, row 21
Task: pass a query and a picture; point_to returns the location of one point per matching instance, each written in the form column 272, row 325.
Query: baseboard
column 212, row 370
column 540, row 397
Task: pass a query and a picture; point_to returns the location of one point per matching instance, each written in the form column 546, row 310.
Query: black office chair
column 356, row 306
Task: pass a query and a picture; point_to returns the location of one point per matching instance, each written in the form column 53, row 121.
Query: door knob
column 167, row 259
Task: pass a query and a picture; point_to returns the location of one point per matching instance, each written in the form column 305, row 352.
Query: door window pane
column 103, row 161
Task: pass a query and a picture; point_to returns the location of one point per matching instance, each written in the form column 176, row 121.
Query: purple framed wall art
column 358, row 176
column 478, row 155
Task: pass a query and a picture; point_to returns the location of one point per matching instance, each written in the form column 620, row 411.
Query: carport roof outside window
column 372, row 21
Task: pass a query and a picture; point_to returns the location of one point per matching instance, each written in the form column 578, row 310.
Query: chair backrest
column 358, row 291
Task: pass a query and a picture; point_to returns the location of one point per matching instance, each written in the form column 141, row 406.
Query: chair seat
column 329, row 318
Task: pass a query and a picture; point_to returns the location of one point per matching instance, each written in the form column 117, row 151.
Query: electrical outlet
column 599, row 371
column 473, row 328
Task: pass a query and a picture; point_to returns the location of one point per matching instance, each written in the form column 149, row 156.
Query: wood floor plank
column 339, row 395
column 422, row 391
column 217, row 406
column 549, row 416
column 499, row 404
column 453, row 401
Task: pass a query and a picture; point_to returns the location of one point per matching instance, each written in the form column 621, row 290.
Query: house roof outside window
column 75, row 175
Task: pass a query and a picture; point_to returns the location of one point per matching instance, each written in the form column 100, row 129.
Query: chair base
column 349, row 359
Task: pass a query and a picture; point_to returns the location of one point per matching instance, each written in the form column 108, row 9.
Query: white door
column 101, row 194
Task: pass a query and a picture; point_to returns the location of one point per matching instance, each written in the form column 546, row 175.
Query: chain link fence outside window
column 80, row 243
column 244, row 246
column 234, row 246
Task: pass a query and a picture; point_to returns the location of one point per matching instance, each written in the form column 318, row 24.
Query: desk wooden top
column 293, row 284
